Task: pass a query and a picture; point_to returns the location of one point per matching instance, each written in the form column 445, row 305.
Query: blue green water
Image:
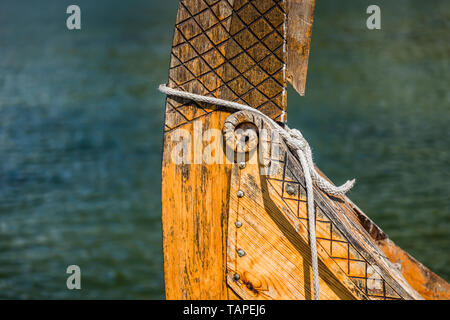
column 81, row 135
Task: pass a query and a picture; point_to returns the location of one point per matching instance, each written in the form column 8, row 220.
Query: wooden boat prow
column 246, row 51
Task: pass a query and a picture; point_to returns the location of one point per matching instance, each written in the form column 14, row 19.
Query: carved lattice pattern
column 233, row 50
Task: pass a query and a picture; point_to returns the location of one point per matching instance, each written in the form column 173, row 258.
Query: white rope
column 297, row 143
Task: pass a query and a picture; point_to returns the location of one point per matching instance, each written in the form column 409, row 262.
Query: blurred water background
column 81, row 135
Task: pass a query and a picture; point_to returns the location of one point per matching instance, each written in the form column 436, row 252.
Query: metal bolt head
column 241, row 253
column 238, row 224
column 240, row 194
column 242, row 165
column 236, row 277
column 290, row 190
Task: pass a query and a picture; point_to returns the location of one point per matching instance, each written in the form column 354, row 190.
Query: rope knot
column 296, row 134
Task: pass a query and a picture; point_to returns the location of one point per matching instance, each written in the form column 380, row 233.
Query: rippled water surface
column 81, row 135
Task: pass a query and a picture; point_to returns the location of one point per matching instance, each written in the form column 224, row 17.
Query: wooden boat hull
column 239, row 51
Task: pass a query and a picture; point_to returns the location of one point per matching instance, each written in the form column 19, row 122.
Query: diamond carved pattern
column 233, row 50
column 364, row 275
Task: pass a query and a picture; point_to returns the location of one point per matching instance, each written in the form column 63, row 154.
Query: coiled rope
column 298, row 144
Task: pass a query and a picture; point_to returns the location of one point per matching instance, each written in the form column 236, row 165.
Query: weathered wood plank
column 193, row 217
column 236, row 50
column 300, row 22
column 429, row 285
column 232, row 50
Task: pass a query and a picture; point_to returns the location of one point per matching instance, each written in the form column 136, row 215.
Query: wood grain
column 232, row 50
column 277, row 261
column 346, row 251
column 429, row 285
column 300, row 22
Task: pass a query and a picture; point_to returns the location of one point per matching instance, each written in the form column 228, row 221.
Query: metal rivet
column 242, row 165
column 240, row 194
column 238, row 224
column 241, row 253
column 290, row 190
column 236, row 277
